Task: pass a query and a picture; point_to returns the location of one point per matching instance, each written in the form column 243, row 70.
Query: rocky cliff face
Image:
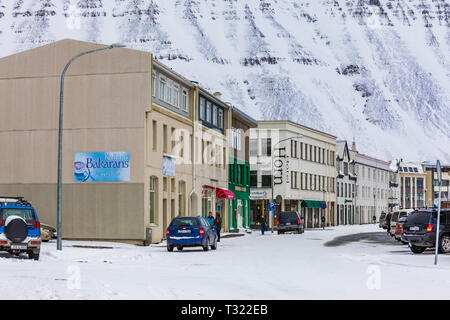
column 376, row 70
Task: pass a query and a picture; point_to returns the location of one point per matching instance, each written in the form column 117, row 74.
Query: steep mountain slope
column 376, row 70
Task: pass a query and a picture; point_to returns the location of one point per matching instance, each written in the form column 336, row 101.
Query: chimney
column 354, row 146
column 218, row 95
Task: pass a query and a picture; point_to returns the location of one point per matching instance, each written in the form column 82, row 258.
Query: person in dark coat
column 388, row 221
column 218, row 225
column 262, row 221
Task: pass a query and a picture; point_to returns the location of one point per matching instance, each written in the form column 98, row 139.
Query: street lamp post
column 273, row 148
column 60, row 133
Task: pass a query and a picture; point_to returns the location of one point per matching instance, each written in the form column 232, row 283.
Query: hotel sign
column 102, row 166
column 281, row 169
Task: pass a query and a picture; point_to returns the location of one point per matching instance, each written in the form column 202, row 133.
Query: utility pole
column 60, row 136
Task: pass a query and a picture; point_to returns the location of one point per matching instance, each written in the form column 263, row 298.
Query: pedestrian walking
column 388, row 222
column 210, row 219
column 263, row 223
column 218, row 225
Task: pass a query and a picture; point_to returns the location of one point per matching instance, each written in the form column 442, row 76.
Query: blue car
column 20, row 229
column 190, row 232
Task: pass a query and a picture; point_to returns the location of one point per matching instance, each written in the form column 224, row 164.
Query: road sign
column 272, row 206
column 323, row 206
column 439, row 171
column 278, row 199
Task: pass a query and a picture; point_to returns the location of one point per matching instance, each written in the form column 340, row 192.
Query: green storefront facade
column 239, row 183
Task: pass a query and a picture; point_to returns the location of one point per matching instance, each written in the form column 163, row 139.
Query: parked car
column 47, row 232
column 397, row 215
column 382, row 223
column 190, row 232
column 399, row 229
column 20, row 230
column 290, row 221
column 420, row 230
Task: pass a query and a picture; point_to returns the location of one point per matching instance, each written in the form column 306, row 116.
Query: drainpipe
column 194, row 153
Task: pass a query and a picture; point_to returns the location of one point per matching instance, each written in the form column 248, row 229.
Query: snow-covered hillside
column 376, row 70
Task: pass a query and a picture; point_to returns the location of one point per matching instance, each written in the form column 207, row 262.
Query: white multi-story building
column 345, row 184
column 303, row 166
column 371, row 188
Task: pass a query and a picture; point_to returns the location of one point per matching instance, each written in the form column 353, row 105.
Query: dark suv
column 420, row 230
column 20, row 229
column 290, row 221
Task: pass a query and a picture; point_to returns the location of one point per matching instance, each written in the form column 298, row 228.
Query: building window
column 153, row 84
column 302, row 153
column 294, row 145
column 153, row 198
column 294, row 177
column 202, row 109
column 220, row 118
column 253, row 149
column 236, row 139
column 214, row 115
column 345, row 168
column 175, row 95
column 162, row 88
column 253, row 178
column 266, row 179
column 168, row 95
column 266, row 146
column 185, row 100
column 208, row 111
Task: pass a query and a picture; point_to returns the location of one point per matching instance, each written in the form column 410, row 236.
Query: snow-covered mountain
column 375, row 70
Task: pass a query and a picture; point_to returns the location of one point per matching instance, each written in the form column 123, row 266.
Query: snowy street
column 291, row 266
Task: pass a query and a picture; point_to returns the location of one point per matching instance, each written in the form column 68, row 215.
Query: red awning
column 222, row 193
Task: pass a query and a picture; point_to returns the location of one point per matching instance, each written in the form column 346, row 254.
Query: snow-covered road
column 272, row 266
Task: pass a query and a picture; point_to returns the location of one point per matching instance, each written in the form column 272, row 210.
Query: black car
column 290, row 221
column 420, row 230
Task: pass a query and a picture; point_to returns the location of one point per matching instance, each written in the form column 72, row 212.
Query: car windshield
column 191, row 222
column 26, row 214
column 394, row 216
column 402, row 219
column 288, row 215
column 419, row 217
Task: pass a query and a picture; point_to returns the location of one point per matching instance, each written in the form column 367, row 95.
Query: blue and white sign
column 168, row 166
column 271, row 206
column 102, row 166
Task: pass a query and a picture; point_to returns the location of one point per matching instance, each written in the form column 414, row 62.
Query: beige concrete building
column 304, row 170
column 412, row 185
column 116, row 100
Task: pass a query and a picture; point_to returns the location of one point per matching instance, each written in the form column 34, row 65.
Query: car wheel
column 214, row 246
column 299, row 230
column 444, row 244
column 415, row 249
column 279, row 232
column 34, row 256
column 170, row 248
column 180, row 248
column 206, row 247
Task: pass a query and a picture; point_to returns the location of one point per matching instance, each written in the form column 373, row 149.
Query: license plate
column 288, row 223
column 414, row 228
column 18, row 246
column 184, row 231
